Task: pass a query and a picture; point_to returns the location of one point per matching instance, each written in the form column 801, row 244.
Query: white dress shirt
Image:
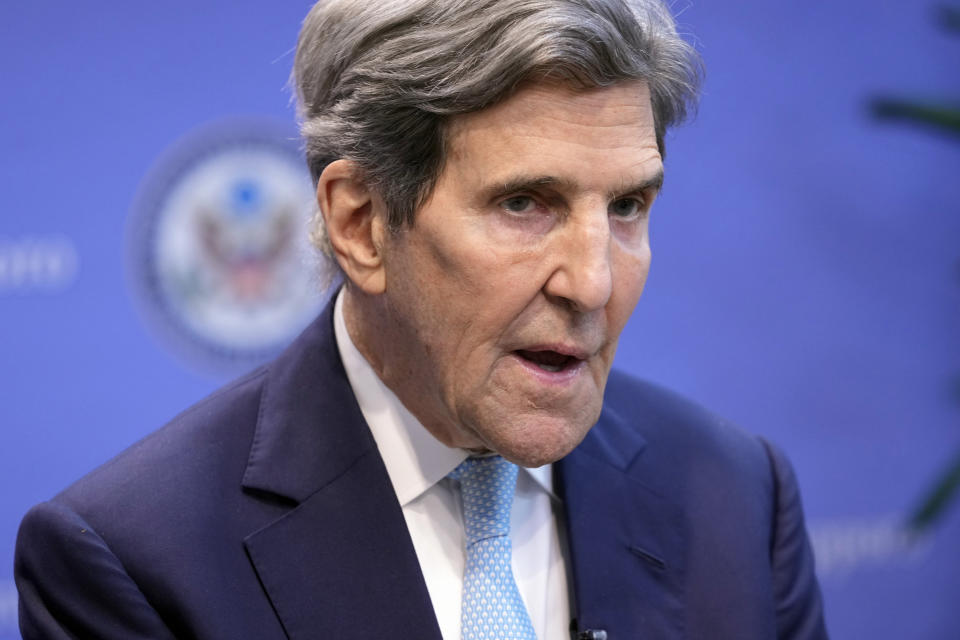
column 418, row 465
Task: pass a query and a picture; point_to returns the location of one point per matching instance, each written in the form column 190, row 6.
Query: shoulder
column 737, row 495
column 682, row 435
column 209, row 439
column 173, row 487
column 720, row 477
column 188, row 477
column 139, row 529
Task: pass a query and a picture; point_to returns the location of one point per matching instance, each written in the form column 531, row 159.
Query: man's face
column 505, row 299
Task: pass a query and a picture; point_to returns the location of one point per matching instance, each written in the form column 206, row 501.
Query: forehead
column 533, row 97
column 601, row 133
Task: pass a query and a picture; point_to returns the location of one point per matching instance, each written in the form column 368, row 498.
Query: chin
column 540, row 443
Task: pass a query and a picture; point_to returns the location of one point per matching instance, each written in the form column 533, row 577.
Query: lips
column 549, row 360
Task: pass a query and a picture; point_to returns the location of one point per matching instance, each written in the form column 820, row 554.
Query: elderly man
column 445, row 453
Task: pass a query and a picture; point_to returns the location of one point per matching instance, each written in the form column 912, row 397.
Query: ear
column 354, row 218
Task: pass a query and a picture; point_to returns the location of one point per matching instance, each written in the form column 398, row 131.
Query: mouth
column 549, row 360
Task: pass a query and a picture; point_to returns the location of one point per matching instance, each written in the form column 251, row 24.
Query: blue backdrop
column 806, row 281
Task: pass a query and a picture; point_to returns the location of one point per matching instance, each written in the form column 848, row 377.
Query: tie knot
column 487, row 486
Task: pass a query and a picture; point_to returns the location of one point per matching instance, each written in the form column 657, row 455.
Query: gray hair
column 378, row 80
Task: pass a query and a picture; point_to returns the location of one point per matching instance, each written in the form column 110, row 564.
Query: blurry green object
column 949, row 17
column 946, row 119
column 942, row 118
column 936, row 501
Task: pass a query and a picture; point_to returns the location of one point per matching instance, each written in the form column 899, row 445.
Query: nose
column 582, row 270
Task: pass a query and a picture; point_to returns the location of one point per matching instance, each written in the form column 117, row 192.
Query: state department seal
column 218, row 252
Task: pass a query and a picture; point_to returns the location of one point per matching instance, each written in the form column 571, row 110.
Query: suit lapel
column 625, row 540
column 341, row 565
column 340, row 562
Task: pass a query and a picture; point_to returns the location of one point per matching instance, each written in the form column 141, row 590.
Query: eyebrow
column 527, row 183
column 654, row 182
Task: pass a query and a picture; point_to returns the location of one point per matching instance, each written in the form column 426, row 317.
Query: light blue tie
column 492, row 607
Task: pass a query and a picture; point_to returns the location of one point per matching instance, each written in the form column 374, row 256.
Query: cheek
column 642, row 270
column 630, row 277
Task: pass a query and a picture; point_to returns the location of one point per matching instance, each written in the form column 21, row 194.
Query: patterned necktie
column 492, row 608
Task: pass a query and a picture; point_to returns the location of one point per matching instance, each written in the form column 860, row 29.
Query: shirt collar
column 414, row 459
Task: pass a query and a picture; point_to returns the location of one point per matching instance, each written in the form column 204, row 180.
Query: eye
column 519, row 204
column 626, row 208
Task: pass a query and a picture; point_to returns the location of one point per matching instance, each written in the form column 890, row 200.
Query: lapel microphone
column 586, row 634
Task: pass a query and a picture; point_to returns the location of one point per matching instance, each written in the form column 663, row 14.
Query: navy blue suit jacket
column 265, row 511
